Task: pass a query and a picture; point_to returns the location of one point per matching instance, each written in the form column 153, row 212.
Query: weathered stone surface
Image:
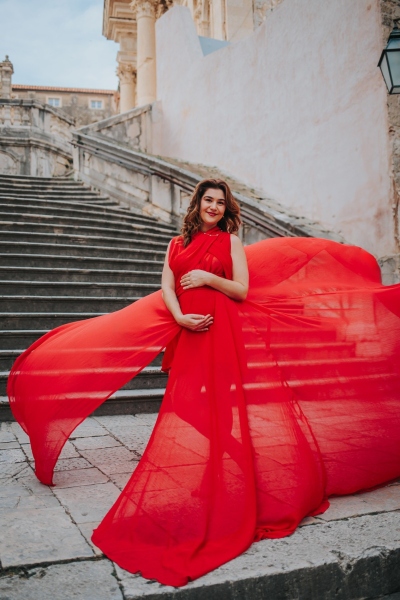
column 88, row 428
column 343, row 560
column 113, row 458
column 89, row 503
column 87, row 580
column 120, row 479
column 39, row 535
column 9, row 445
column 78, row 478
column 8, row 470
column 69, row 464
column 19, row 433
column 90, row 443
column 87, row 529
column 12, row 456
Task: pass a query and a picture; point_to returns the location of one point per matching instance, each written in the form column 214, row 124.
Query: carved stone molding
column 126, row 73
column 144, row 8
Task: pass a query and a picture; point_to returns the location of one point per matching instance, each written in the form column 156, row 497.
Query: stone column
column 127, row 86
column 146, row 50
column 6, row 71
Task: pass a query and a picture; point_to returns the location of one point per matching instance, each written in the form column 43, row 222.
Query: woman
column 274, row 402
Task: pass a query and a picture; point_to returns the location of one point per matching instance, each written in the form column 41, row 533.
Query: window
column 96, row 104
column 53, row 101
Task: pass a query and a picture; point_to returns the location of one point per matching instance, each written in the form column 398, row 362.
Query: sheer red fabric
column 290, row 397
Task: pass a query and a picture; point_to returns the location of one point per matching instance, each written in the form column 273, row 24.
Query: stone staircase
column 67, row 253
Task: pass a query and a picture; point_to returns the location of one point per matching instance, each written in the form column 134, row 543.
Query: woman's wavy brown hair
column 230, row 222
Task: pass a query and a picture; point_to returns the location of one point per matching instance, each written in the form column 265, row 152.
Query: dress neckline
column 213, row 232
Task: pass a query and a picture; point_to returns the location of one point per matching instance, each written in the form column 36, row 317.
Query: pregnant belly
column 200, row 301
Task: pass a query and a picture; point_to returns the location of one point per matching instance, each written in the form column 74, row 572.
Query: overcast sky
column 57, row 42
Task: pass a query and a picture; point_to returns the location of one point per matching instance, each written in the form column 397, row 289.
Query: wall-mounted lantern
column 389, row 62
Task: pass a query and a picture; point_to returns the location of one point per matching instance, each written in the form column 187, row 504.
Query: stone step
column 8, row 357
column 55, row 261
column 15, row 321
column 148, row 379
column 123, row 402
column 103, row 222
column 79, row 209
column 76, row 288
column 74, row 275
column 97, row 229
column 38, row 180
column 97, row 304
column 77, row 249
column 135, row 241
column 55, row 194
column 311, row 350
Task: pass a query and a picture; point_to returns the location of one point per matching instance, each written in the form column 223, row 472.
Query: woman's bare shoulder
column 235, row 241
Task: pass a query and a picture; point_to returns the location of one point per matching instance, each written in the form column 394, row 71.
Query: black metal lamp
column 389, row 62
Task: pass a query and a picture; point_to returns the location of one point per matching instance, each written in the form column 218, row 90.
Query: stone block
column 78, row 478
column 86, row 580
column 88, row 428
column 8, row 470
column 9, row 445
column 12, row 456
column 39, row 535
column 120, row 479
column 90, row 443
column 87, row 529
column 19, row 433
column 343, row 560
column 69, row 451
column 89, row 503
column 69, row 464
column 109, row 456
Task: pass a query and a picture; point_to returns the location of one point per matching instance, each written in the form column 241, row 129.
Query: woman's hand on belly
column 194, row 279
column 195, row 322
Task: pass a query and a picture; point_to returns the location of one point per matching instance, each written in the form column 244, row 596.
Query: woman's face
column 212, row 208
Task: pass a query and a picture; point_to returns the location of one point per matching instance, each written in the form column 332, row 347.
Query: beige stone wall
column 390, row 12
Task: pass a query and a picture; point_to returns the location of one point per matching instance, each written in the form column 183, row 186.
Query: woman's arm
column 237, row 288
column 191, row 321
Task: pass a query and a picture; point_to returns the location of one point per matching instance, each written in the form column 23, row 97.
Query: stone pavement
column 350, row 552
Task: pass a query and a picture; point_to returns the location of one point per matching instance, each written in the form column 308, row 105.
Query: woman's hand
column 195, row 322
column 195, row 279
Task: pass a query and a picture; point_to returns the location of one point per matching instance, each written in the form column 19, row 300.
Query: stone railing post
column 146, row 50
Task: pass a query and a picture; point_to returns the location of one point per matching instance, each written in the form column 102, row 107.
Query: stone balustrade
column 34, row 139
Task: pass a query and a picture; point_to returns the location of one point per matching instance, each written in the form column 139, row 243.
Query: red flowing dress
column 291, row 396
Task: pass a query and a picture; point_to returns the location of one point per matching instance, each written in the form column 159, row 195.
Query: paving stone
column 383, row 499
column 68, row 464
column 6, row 435
column 19, row 433
column 12, row 445
column 29, row 480
column 78, row 478
column 88, row 428
column 28, row 502
column 120, row 479
column 8, row 470
column 89, row 503
column 89, row 443
column 343, row 560
column 39, row 535
column 116, row 420
column 109, row 456
column 86, row 580
column 87, row 530
column 69, row 451
column 12, row 456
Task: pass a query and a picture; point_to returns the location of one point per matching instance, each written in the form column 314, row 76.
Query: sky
column 58, row 43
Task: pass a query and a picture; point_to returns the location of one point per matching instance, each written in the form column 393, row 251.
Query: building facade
column 131, row 23
column 84, row 106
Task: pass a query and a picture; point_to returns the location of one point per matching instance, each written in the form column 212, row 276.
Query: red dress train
column 291, row 396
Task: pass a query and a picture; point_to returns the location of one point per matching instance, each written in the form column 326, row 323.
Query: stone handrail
column 268, row 221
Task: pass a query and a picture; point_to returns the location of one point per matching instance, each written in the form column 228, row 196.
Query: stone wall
column 390, row 13
column 298, row 111
column 34, row 139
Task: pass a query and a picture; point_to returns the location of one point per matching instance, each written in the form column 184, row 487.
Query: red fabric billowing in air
column 290, row 397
